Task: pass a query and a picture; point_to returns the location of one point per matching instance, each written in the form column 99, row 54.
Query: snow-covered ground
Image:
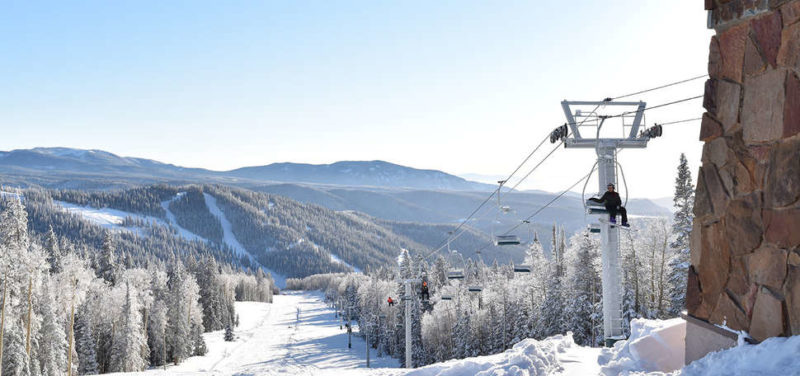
column 230, row 239
column 271, row 341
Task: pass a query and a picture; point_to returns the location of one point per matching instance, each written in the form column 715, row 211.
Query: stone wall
column 745, row 248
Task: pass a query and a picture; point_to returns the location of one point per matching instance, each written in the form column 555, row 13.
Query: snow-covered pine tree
column 583, row 291
column 107, row 267
column 229, row 333
column 126, row 353
column 683, row 202
column 52, row 339
column 85, row 346
column 15, row 361
column 178, row 327
column 53, row 251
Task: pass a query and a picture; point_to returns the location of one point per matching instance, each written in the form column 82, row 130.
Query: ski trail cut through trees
column 230, row 239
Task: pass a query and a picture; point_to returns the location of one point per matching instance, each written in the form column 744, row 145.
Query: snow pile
column 529, row 357
column 654, row 345
column 774, row 356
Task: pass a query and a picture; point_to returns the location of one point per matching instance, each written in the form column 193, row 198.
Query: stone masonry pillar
column 745, row 247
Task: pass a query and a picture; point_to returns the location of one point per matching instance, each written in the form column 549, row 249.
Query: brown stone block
column 791, row 112
column 782, row 227
column 767, row 318
column 789, row 53
column 767, row 32
column 693, row 293
column 714, row 58
column 738, row 283
column 695, row 243
column 714, row 263
column 731, row 46
column 728, row 313
column 728, row 102
column 762, row 111
column 709, row 128
column 716, row 190
column 753, row 61
column 791, row 291
column 743, row 225
column 710, row 96
column 716, row 152
column 783, row 177
column 790, row 13
column 702, row 201
column 767, row 266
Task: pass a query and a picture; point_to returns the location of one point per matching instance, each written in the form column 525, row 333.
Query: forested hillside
column 85, row 300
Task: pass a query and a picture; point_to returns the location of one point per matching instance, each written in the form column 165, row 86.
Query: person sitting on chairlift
column 613, row 204
column 390, row 301
column 425, row 294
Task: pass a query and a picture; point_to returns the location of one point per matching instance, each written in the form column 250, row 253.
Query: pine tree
column 15, row 361
column 85, row 346
column 52, row 339
column 107, row 267
column 229, row 333
column 53, row 251
column 584, row 293
column 126, row 353
column 681, row 230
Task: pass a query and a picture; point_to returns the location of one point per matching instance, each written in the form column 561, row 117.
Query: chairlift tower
column 585, row 133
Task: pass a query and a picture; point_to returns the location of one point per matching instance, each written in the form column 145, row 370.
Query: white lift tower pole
column 590, row 123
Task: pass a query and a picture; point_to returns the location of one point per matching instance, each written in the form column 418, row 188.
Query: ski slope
column 230, row 239
column 271, row 341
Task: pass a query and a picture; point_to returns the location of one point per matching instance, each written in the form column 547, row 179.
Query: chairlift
column 594, row 228
column 455, row 274
column 522, row 269
column 596, row 210
column 475, row 289
column 446, row 297
column 399, row 326
column 506, row 240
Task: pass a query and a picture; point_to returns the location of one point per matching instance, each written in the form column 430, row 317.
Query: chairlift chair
column 522, row 269
column 446, row 297
column 475, row 289
column 506, row 240
column 455, row 274
column 594, row 228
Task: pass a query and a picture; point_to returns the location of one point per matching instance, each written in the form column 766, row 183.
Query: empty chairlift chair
column 522, row 269
column 455, row 274
column 475, row 289
column 506, row 240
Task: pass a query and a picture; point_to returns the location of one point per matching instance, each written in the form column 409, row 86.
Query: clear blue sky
column 461, row 86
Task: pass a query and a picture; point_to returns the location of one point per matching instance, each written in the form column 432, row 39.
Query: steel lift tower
column 585, row 132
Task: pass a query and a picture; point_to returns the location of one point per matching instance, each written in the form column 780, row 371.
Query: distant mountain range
column 68, row 162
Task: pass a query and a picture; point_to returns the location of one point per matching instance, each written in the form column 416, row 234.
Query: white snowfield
column 270, row 341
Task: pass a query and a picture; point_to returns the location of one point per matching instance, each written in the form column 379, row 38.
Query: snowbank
column 654, row 345
column 529, row 357
column 774, row 356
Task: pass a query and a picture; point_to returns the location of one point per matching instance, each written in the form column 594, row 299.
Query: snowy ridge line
column 230, row 239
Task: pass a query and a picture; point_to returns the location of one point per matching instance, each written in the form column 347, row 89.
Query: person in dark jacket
column 613, row 204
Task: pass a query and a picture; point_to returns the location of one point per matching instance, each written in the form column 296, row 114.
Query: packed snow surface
column 654, row 345
column 557, row 355
column 270, row 340
column 174, row 222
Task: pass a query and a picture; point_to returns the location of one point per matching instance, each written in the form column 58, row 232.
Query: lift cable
column 679, row 121
column 657, row 88
column 528, row 219
column 654, row 107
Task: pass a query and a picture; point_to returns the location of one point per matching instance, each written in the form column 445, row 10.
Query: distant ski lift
column 399, row 326
column 506, row 240
column 456, row 274
column 447, row 297
column 594, row 228
column 475, row 289
column 505, row 208
column 522, row 269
